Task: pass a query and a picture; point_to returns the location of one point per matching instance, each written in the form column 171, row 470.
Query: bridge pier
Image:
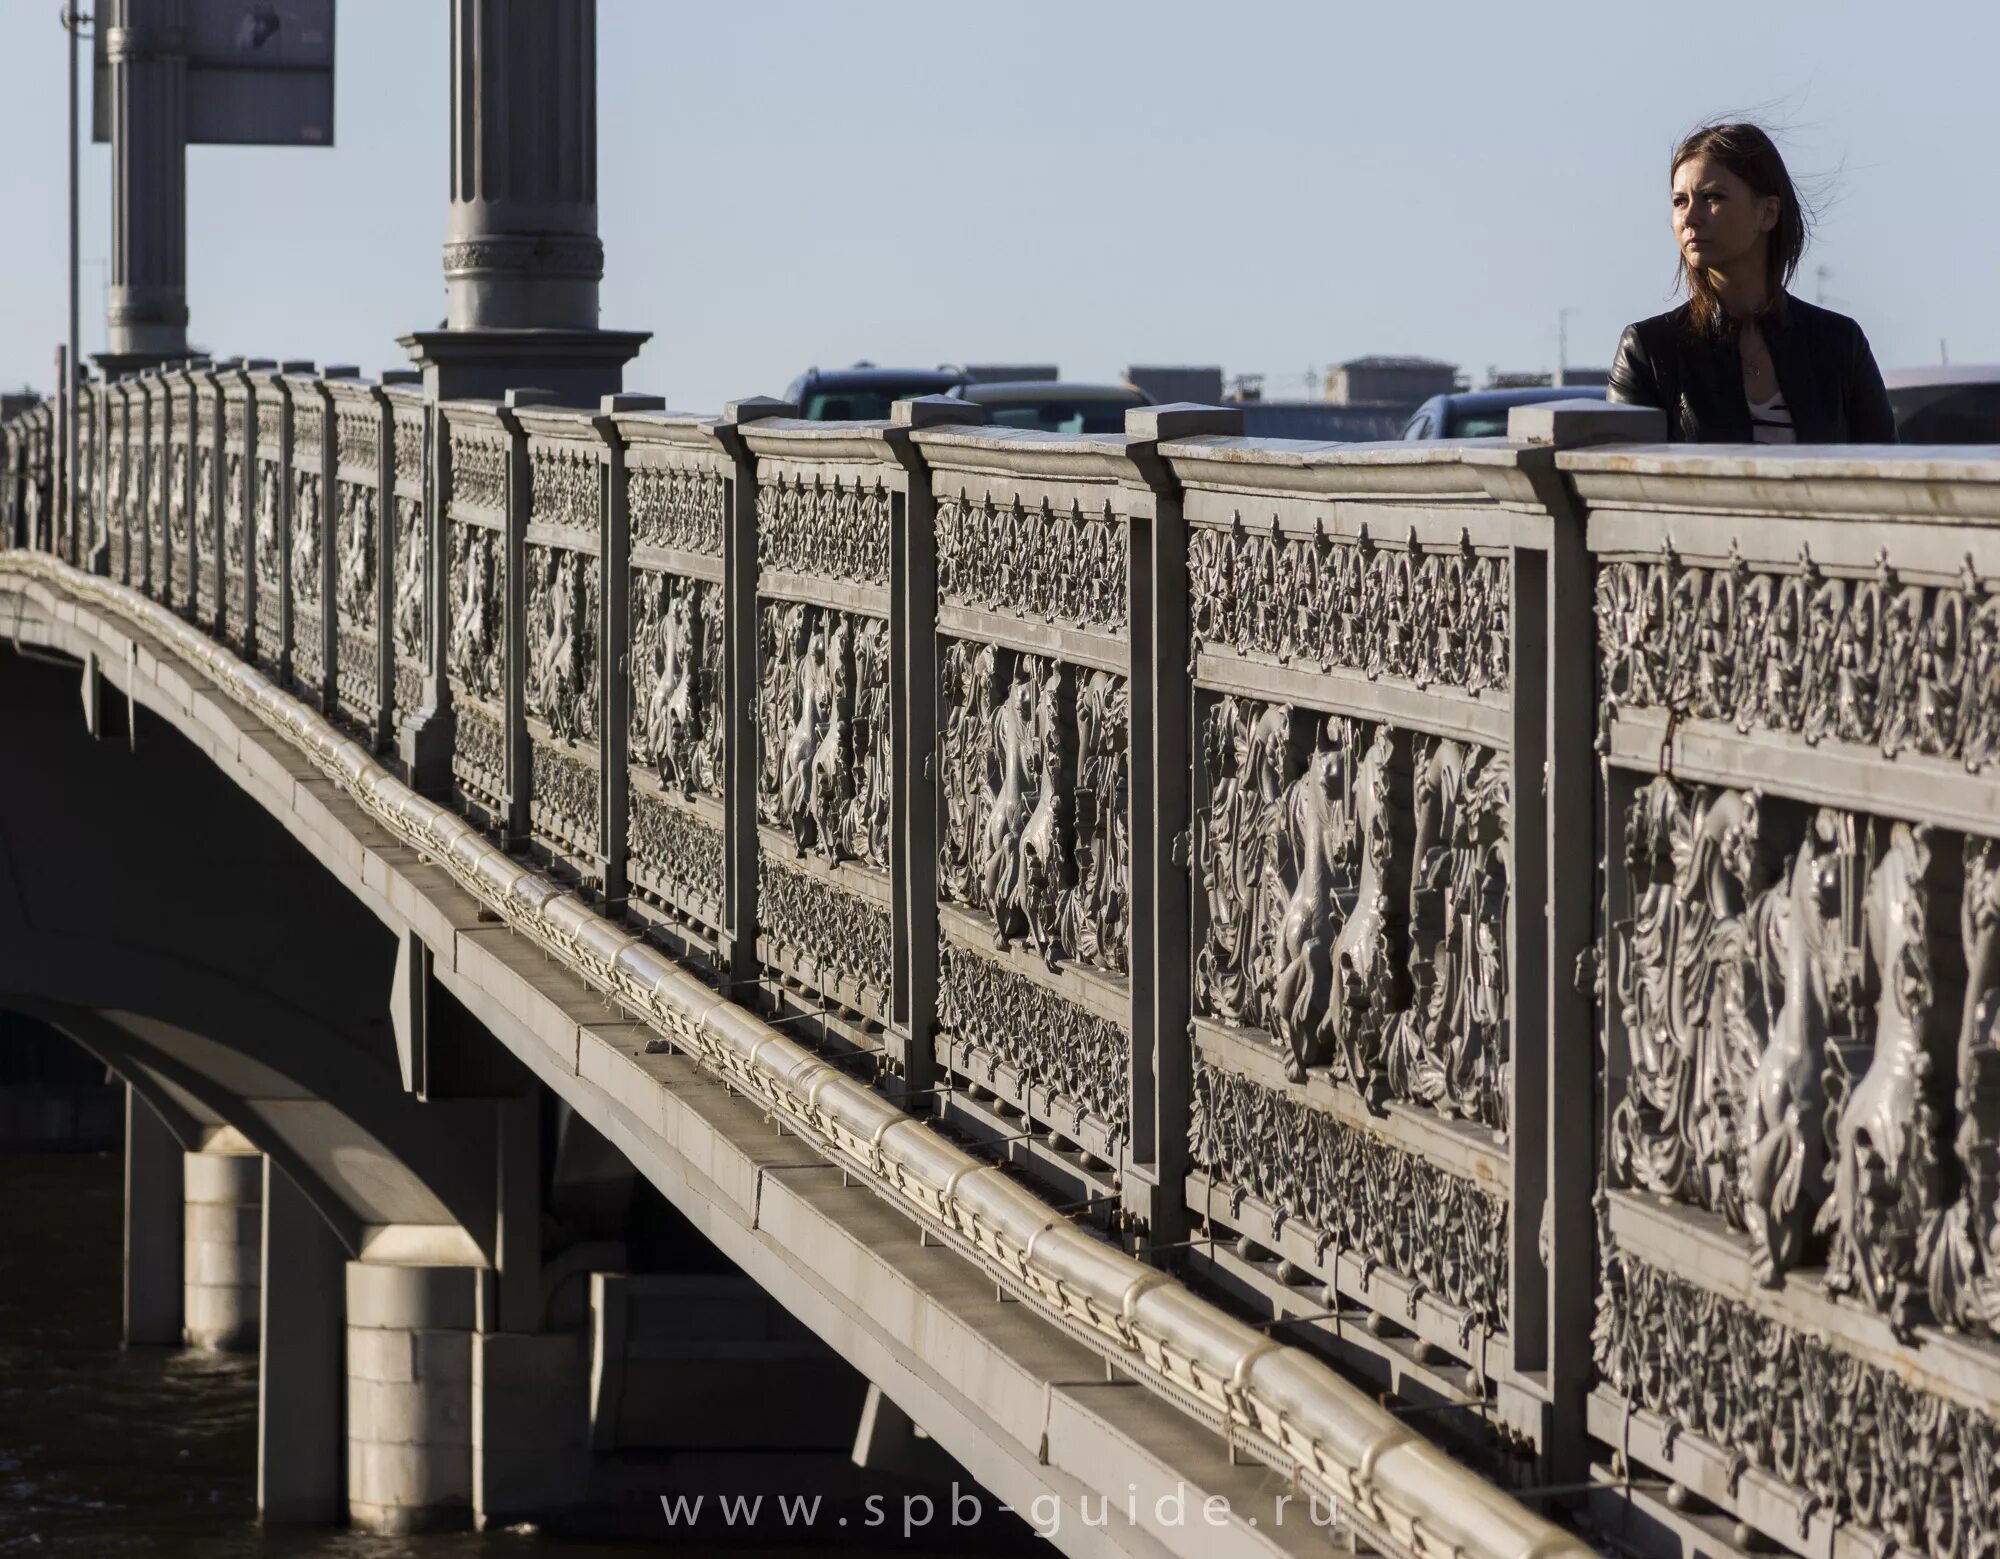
column 155, row 1237
column 409, row 1396
column 300, row 1378
column 223, row 1255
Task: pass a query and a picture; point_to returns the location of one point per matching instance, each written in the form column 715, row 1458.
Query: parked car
column 1953, row 403
column 1055, row 406
column 1483, row 413
column 864, row 392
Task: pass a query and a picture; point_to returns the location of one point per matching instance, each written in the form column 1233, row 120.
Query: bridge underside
column 252, row 986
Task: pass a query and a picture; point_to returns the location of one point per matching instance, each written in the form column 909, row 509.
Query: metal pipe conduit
column 1404, row 1492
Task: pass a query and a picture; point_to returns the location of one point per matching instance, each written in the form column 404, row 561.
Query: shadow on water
column 106, row 1451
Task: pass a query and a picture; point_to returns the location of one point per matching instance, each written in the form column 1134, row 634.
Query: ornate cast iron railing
column 672, row 487
column 1263, row 837
column 1367, row 925
column 1799, row 661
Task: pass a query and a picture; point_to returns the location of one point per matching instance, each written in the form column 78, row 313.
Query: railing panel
column 1034, row 714
column 309, row 552
column 117, row 467
column 675, row 505
column 206, row 499
column 158, row 484
column 478, row 449
column 1359, row 968
column 270, row 483
column 235, row 561
column 1799, row 657
column 179, row 491
column 824, row 892
column 410, row 627
column 355, row 533
column 89, row 474
column 563, row 601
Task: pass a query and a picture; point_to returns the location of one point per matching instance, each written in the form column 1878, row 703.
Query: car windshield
column 1947, row 414
column 856, row 405
column 1480, row 424
column 1062, row 416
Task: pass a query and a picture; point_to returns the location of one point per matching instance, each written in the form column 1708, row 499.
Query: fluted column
column 146, row 314
column 522, row 259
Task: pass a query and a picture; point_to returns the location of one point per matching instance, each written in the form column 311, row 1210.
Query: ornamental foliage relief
column 841, row 935
column 1035, row 826
column 1354, row 1190
column 1038, row 563
column 676, row 508
column 1050, row 1041
column 409, row 451
column 357, row 439
column 833, row 528
column 565, row 486
column 1353, row 883
column 674, row 853
column 1435, row 616
column 676, row 668
column 823, row 727
column 563, row 690
column 1875, row 660
column 478, row 473
column 1811, row 1008
column 1867, row 1447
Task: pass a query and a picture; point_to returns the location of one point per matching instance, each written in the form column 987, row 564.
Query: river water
column 105, row 1451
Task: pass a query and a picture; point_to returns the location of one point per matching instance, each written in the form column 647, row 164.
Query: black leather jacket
column 1826, row 372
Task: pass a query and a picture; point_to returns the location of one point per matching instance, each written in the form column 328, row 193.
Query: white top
column 1771, row 422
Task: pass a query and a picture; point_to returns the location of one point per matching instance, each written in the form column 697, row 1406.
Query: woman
column 1743, row 361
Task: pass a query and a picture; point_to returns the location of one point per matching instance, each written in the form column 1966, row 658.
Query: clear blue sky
column 1271, row 186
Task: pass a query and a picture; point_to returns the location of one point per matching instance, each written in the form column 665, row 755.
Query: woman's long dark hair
column 1746, row 151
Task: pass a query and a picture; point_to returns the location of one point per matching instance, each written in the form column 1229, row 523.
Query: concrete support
column 530, row 1425
column 889, row 1440
column 299, row 1384
column 146, row 310
column 522, row 259
column 409, row 1396
column 154, row 1237
column 224, row 1221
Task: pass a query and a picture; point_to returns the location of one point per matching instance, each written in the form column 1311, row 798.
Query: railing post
column 615, row 653
column 385, row 557
column 424, row 735
column 739, row 686
column 159, row 459
column 205, row 518
column 913, row 704
column 329, row 535
column 1552, row 1237
column 518, row 761
column 100, row 478
column 1162, row 781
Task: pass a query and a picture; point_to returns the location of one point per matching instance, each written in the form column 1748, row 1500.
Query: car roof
column 1048, row 390
column 1526, row 395
column 1941, row 374
column 860, row 378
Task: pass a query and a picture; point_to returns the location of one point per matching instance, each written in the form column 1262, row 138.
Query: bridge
column 1454, row 984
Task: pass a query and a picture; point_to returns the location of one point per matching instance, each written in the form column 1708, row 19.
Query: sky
column 1272, row 185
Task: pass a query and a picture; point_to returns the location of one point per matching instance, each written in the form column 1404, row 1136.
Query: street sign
column 259, row 73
